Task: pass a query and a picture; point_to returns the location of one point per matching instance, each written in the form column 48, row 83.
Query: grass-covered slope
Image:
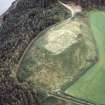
column 92, row 85
column 58, row 56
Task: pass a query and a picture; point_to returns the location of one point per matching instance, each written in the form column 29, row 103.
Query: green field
column 91, row 86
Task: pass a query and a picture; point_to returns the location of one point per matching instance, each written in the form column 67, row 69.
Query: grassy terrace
column 91, row 86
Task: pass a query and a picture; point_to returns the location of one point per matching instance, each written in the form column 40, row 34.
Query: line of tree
column 89, row 3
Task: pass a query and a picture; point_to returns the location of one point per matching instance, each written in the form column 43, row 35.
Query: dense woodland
column 24, row 20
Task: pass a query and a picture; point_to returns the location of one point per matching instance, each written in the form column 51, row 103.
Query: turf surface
column 91, row 86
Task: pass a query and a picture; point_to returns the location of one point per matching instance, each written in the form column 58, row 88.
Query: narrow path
column 69, row 98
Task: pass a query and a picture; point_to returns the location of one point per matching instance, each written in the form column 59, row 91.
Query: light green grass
column 92, row 85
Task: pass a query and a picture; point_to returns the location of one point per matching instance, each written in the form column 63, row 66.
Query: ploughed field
column 91, row 86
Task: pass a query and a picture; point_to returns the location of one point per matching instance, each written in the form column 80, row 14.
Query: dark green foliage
column 18, row 26
column 13, row 93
